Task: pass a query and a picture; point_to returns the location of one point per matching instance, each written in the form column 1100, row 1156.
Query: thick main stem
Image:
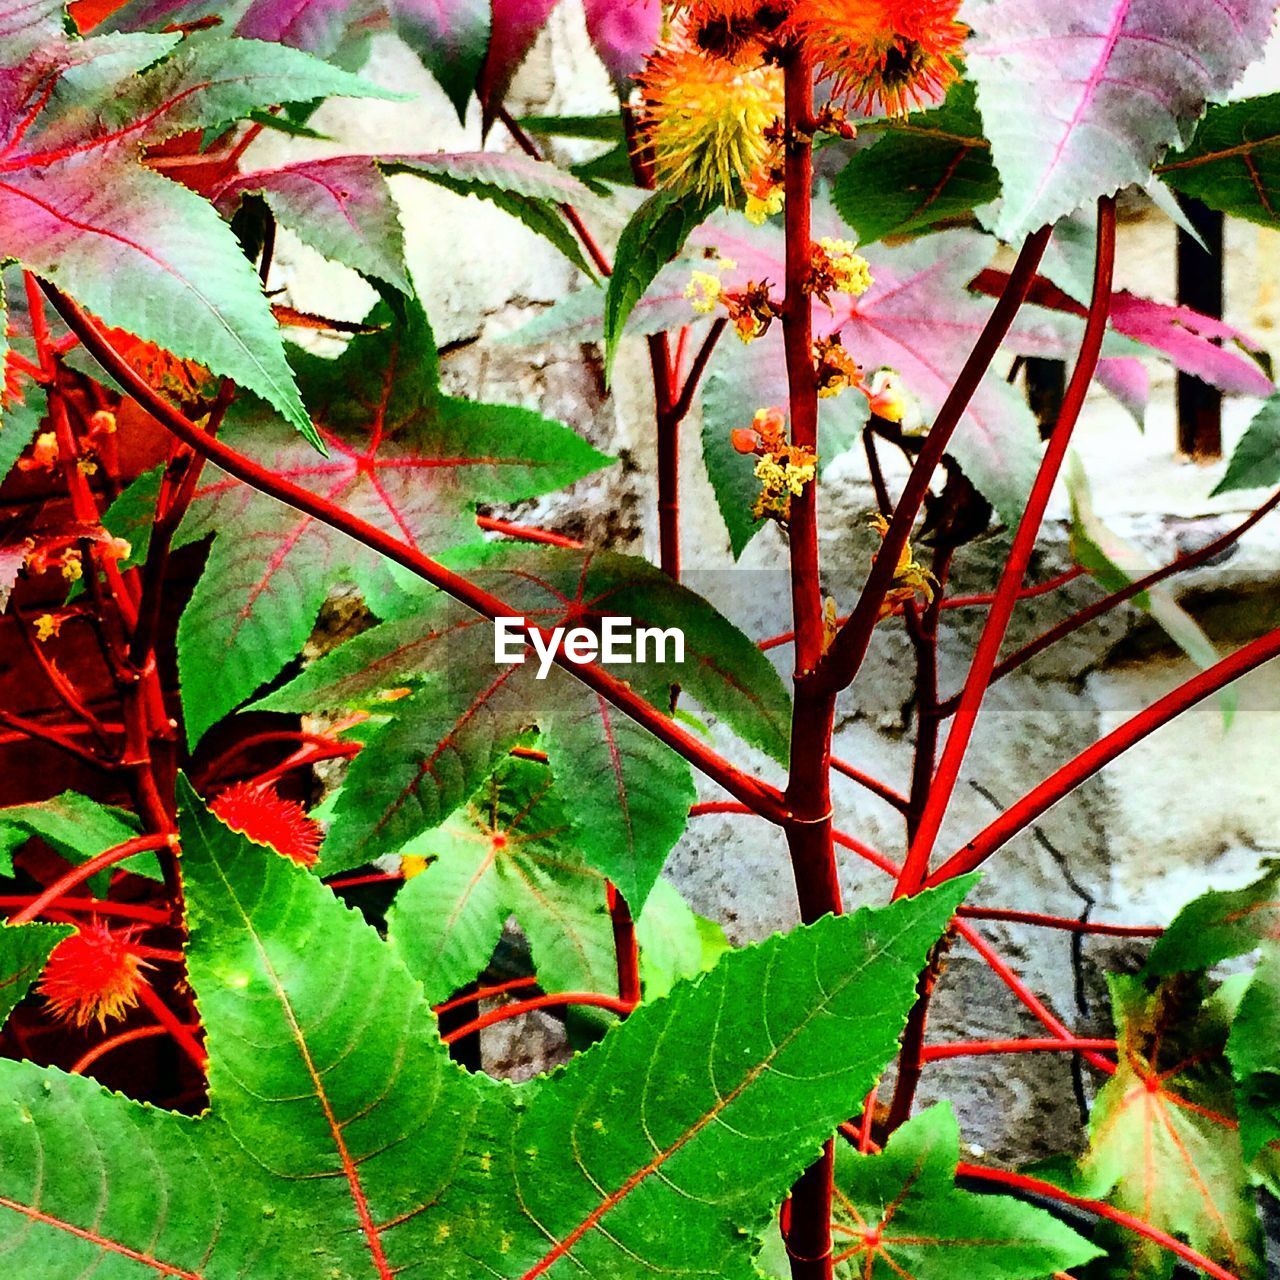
column 809, row 829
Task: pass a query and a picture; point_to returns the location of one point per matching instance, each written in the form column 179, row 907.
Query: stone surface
column 1194, row 807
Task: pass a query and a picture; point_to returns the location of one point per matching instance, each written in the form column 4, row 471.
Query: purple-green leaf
column 451, row 37
column 1116, row 83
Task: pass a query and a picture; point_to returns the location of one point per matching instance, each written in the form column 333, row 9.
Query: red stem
column 1037, row 1186
column 55, row 738
column 625, row 947
column 1067, row 923
column 980, row 1048
column 527, row 533
column 86, row 870
column 916, row 868
column 91, row 906
column 846, row 655
column 169, row 1020
column 1021, row 815
column 874, row 785
column 1099, row 607
column 591, row 999
column 1056, row 583
column 485, row 993
column 1042, row 1012
column 809, row 834
column 762, row 798
column 83, row 1064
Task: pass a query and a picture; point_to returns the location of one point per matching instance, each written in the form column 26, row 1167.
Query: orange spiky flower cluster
column 261, row 814
column 886, row 54
column 93, row 975
column 706, row 119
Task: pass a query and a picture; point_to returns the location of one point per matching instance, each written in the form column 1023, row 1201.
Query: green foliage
column 626, row 793
column 1115, row 564
column 23, row 951
column 929, row 171
column 1256, row 460
column 510, row 851
column 407, row 457
column 1164, row 1139
column 144, row 254
column 340, row 1139
column 900, row 1214
column 77, row 827
column 656, row 233
column 1233, row 161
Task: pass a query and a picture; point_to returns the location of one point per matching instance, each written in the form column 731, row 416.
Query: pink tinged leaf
column 1129, row 381
column 341, row 207
column 451, row 37
column 1117, row 81
column 623, row 32
column 12, row 559
column 315, row 25
column 516, row 24
column 1196, row 343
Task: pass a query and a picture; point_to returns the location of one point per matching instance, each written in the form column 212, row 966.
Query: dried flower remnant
column 94, row 975
column 708, row 121
column 910, row 579
column 884, row 55
column 262, row 815
column 835, row 368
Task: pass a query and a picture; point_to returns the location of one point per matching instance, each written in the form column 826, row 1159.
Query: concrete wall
column 1195, row 806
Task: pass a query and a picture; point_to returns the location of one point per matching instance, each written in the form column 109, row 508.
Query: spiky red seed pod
column 94, row 975
column 261, row 814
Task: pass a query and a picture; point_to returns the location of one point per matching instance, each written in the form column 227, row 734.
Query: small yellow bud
column 704, row 292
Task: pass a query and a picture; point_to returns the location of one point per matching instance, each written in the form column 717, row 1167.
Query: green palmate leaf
column 900, row 1214
column 626, row 794
column 1222, row 925
column 1256, row 460
column 1164, row 1139
column 23, row 951
column 78, row 208
column 341, row 1140
column 933, row 168
column 77, row 827
column 510, row 851
column 1116, row 563
column 1233, row 161
column 528, row 190
column 403, row 456
column 1219, row 925
column 656, row 233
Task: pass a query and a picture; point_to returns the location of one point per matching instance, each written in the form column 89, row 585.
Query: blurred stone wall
column 1195, row 806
